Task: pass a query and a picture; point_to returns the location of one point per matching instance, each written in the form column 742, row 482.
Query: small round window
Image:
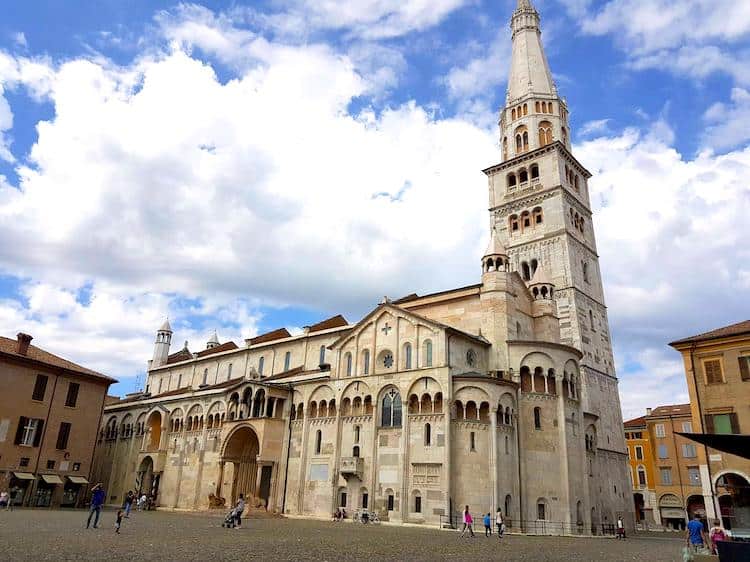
column 388, row 361
column 471, row 358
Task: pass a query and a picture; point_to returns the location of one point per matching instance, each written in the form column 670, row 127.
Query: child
column 487, row 525
column 118, row 522
column 716, row 534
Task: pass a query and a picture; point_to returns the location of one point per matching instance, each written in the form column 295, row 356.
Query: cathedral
column 497, row 395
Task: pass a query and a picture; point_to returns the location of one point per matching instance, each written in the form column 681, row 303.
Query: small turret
column 161, row 345
column 213, row 341
column 543, row 308
column 496, row 256
column 540, row 285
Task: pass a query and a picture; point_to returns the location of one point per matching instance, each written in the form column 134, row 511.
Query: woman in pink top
column 468, row 522
column 717, row 534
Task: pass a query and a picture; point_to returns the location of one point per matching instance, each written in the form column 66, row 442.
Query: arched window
column 565, row 136
column 355, row 451
column 550, row 108
column 536, row 216
column 534, row 171
column 318, row 442
column 591, row 320
column 205, row 378
column 348, row 359
column 507, row 445
column 525, row 271
column 580, row 225
column 541, row 509
column 407, row 356
column 507, row 506
column 322, row 355
column 525, row 109
column 428, row 353
column 391, row 409
column 522, row 139
column 417, row 503
column 534, row 265
column 523, row 176
column 505, row 147
column 575, row 183
column 545, row 133
column 585, row 268
column 514, row 225
column 537, row 418
column 472, row 441
column 366, row 362
column 513, row 114
column 356, row 434
column 287, row 360
column 511, row 180
column 642, row 480
column 536, row 107
column 261, row 362
column 427, row 435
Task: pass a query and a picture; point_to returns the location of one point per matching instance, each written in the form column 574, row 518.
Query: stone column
column 220, row 481
column 493, row 458
column 336, row 459
column 405, row 438
column 447, row 406
column 303, row 460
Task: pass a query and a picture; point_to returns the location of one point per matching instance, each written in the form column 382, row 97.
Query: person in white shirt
column 238, row 511
column 500, row 522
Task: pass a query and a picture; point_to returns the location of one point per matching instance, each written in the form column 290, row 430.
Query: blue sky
column 224, row 163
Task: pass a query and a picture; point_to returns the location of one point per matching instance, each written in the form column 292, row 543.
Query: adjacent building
column 500, row 394
column 638, row 441
column 717, row 368
column 50, row 411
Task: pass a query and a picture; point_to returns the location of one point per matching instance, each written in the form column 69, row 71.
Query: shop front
column 20, row 483
column 672, row 513
column 45, row 489
column 72, row 491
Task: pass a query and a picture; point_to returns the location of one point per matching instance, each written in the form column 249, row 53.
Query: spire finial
column 524, row 5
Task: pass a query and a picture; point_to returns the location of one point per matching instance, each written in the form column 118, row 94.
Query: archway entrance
column 154, row 432
column 241, row 453
column 639, row 505
column 148, row 481
column 734, row 501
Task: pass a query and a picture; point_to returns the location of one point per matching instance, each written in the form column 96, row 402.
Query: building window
column 407, row 355
column 418, row 504
column 694, row 476
column 427, row 435
column 390, row 502
column 642, row 477
column 322, row 355
column 473, row 441
column 391, row 409
column 713, row 371
column 205, row 379
column 24, row 462
column 229, row 372
column 72, row 397
column 76, row 467
column 342, row 501
column 507, row 445
column 261, row 363
column 356, row 434
column 666, row 476
column 365, row 499
column 50, row 465
column 745, row 367
column 318, row 442
column 537, row 418
column 687, row 427
column 29, row 432
column 388, row 360
column 366, row 361
column 541, row 510
column 688, row 451
column 355, row 451
column 428, row 353
column 659, row 430
column 663, row 454
column 348, row 364
column 287, row 360
column 40, row 387
column 62, row 436
column 722, row 424
column 638, row 453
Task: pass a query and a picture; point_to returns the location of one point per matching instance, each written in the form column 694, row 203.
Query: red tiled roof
column 228, row 346
column 636, row 422
column 738, row 329
column 334, row 322
column 293, row 372
column 415, row 296
column 182, row 355
column 671, row 410
column 279, row 334
column 10, row 347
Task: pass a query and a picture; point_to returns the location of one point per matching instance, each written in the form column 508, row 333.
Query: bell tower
column 540, row 212
column 161, row 345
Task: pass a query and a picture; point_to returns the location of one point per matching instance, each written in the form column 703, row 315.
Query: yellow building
column 641, row 459
column 717, row 368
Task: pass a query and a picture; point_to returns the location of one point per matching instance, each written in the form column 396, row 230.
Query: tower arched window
column 523, row 176
column 585, row 268
column 505, row 147
column 526, row 219
column 537, row 216
column 551, row 108
column 525, row 109
column 366, row 362
column 322, row 355
column 511, row 180
column 545, row 133
column 355, row 451
column 534, row 171
column 534, row 265
column 565, row 136
column 575, row 183
column 261, row 364
column 356, row 434
column 525, row 271
column 407, row 356
column 514, row 224
column 318, row 442
column 591, row 321
column 287, row 360
column 537, row 418
column 391, row 406
column 513, row 114
column 348, row 360
column 428, row 353
column 522, row 139
column 536, row 107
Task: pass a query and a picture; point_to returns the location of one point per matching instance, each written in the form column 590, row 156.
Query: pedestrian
column 717, row 534
column 142, row 502
column 487, row 525
column 500, row 522
column 118, row 522
column 128, row 504
column 4, row 499
column 696, row 535
column 97, row 501
column 468, row 523
column 239, row 508
column 620, row 529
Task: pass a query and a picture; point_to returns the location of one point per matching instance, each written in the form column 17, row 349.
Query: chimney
column 648, row 411
column 23, row 343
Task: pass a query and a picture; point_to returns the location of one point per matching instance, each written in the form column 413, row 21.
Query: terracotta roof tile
column 279, row 334
column 738, row 329
column 293, row 372
column 10, row 347
column 182, row 355
column 334, row 322
column 671, row 410
column 636, row 422
column 227, row 346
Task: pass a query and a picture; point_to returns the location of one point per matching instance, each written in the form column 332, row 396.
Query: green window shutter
column 734, row 423
column 709, row 423
column 722, row 424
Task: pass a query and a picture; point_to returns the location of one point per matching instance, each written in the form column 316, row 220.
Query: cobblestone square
column 61, row 535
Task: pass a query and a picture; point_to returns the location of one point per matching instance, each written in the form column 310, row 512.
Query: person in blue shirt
column 97, row 501
column 487, row 525
column 696, row 534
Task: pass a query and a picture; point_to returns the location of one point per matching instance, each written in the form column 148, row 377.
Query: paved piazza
column 60, row 535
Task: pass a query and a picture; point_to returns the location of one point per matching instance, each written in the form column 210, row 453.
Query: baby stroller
column 230, row 519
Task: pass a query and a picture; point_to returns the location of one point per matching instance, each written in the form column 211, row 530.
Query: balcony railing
column 352, row 466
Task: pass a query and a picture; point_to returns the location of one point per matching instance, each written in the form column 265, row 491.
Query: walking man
column 468, row 523
column 487, row 525
column 696, row 535
column 500, row 522
column 97, row 501
column 128, row 505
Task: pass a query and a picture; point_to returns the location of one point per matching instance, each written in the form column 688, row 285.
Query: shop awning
column 23, row 475
column 52, row 479
column 726, row 443
column 78, row 480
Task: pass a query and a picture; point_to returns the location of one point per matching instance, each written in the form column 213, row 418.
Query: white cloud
column 597, row 126
column 727, row 123
column 19, row 38
column 6, row 124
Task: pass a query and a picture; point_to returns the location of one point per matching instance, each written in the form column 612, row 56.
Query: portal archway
column 154, row 431
column 241, row 452
column 734, row 500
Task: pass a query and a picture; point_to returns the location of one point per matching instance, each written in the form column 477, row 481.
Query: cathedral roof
column 738, row 329
column 279, row 334
column 337, row 321
column 182, row 355
column 227, row 346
